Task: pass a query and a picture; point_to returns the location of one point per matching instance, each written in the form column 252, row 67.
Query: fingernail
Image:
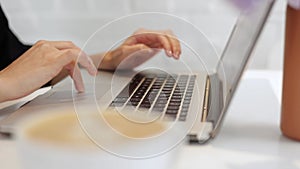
column 170, row 53
column 91, row 67
column 95, row 71
column 80, row 89
column 177, row 55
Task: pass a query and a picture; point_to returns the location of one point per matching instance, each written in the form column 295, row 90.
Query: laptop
column 168, row 97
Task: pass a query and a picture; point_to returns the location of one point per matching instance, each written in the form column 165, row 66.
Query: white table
column 250, row 137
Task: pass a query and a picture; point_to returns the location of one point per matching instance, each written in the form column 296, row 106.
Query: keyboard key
column 176, row 94
column 175, row 100
column 190, row 88
column 177, row 97
column 188, row 94
column 185, row 109
column 171, row 111
column 137, row 96
column 144, row 105
column 182, row 118
column 187, row 98
column 121, row 99
column 158, row 109
column 186, row 102
column 156, row 87
column 170, row 117
column 165, row 94
column 160, row 105
column 133, row 99
column 168, row 87
column 185, row 106
column 170, row 93
column 115, row 104
column 173, row 107
column 174, row 103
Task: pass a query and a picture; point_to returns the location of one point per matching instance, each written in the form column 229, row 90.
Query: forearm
column 3, row 90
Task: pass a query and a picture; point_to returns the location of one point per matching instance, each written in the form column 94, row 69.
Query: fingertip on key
column 177, row 55
column 170, row 53
column 92, row 70
column 95, row 72
column 80, row 89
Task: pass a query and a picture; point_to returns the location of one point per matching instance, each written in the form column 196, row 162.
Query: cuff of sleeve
column 294, row 4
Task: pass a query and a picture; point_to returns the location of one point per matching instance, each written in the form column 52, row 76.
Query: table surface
column 250, row 136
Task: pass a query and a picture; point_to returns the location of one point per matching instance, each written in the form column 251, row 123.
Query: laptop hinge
column 205, row 106
column 216, row 102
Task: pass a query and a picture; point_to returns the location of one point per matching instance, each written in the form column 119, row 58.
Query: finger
column 127, row 56
column 136, row 58
column 68, row 60
column 165, row 44
column 61, row 45
column 128, row 50
column 175, row 44
column 138, row 47
column 133, row 39
column 153, row 39
column 140, row 58
column 75, row 74
column 156, row 40
column 86, row 62
column 78, row 56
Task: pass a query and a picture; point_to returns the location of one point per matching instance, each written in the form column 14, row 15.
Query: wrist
column 2, row 93
column 4, row 89
column 105, row 61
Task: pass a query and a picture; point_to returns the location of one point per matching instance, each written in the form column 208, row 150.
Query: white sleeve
column 294, row 4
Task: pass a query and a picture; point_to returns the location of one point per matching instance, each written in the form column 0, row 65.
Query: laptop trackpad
column 55, row 97
column 67, row 96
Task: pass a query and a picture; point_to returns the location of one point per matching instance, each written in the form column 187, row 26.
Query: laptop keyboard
column 169, row 95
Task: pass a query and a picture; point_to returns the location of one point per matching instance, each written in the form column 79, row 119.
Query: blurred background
column 77, row 20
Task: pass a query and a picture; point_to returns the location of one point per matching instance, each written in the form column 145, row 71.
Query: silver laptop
column 201, row 100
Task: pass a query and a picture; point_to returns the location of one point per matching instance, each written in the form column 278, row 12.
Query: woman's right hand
column 40, row 64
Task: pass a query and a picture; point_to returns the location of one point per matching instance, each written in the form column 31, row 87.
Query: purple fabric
column 243, row 4
column 294, row 4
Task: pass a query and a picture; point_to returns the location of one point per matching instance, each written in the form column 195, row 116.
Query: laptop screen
column 253, row 14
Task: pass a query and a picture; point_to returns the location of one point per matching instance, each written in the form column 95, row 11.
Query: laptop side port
column 203, row 135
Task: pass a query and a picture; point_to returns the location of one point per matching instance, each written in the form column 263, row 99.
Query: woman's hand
column 139, row 48
column 40, row 64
